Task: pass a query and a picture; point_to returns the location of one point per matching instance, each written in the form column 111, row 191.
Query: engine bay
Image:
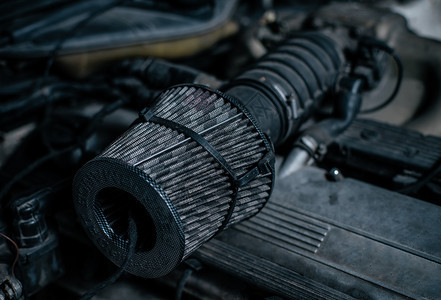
column 188, row 149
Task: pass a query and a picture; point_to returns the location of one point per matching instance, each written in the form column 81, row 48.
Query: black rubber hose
column 346, row 110
column 157, row 73
column 74, row 9
column 283, row 89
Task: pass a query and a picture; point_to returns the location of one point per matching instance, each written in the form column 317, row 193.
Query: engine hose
column 198, row 160
column 283, row 88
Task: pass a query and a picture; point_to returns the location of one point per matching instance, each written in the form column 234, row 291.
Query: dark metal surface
column 361, row 240
column 387, row 155
column 399, row 147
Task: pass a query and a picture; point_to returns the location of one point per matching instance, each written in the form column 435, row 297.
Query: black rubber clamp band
column 263, row 166
column 198, row 139
column 147, row 115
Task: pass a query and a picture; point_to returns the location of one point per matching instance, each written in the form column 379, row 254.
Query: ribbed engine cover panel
column 179, row 192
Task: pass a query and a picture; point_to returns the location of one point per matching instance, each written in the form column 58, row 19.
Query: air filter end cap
column 104, row 190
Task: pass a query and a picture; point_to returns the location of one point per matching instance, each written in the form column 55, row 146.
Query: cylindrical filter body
column 194, row 164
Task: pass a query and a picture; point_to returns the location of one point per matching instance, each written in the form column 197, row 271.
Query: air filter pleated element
column 193, row 164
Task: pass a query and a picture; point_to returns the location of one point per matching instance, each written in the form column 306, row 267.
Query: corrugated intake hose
column 283, row 89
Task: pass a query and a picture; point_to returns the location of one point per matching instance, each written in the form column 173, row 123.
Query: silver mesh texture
column 194, row 186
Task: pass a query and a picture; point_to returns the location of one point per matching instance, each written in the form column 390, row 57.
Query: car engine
column 235, row 149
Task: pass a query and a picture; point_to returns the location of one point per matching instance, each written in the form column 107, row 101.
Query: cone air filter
column 193, row 164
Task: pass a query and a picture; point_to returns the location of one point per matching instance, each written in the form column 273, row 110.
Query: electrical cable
column 31, row 168
column 13, row 89
column 71, row 34
column 425, row 179
column 21, row 9
column 192, row 266
column 59, row 92
column 133, row 237
column 104, row 111
column 16, row 250
column 388, row 50
column 182, row 282
column 305, row 148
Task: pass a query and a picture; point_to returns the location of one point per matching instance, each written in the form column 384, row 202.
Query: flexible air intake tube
column 283, row 89
column 198, row 161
